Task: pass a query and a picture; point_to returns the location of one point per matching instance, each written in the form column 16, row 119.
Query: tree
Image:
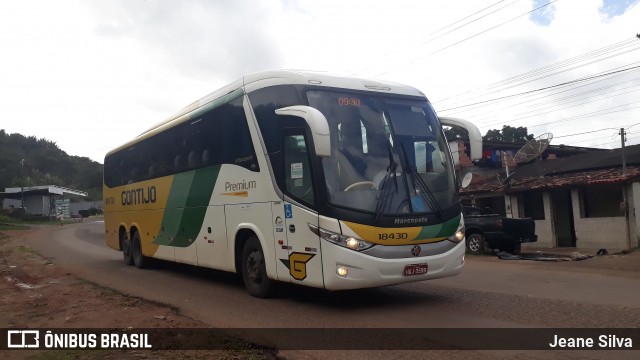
column 508, row 134
column 454, row 133
column 29, row 161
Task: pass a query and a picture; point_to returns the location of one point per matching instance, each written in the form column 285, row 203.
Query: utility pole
column 22, row 187
column 625, row 203
column 624, row 159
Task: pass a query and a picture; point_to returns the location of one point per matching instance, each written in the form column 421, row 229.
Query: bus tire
column 254, row 271
column 125, row 246
column 475, row 243
column 139, row 260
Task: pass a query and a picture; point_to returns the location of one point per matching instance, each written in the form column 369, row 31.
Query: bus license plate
column 416, row 269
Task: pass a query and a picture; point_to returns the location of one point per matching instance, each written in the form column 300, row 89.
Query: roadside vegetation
column 8, row 223
column 29, row 161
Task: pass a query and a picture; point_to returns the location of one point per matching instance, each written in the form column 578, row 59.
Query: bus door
column 304, row 257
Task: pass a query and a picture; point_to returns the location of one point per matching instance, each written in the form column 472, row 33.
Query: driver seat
column 351, row 163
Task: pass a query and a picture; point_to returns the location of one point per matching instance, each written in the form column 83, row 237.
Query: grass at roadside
column 11, row 223
column 13, row 227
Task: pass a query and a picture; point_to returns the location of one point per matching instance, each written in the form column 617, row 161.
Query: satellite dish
column 533, row 148
column 466, row 180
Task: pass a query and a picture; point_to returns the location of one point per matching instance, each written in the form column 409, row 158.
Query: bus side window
column 193, row 159
column 206, row 157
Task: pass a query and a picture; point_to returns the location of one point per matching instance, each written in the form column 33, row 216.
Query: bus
column 297, row 177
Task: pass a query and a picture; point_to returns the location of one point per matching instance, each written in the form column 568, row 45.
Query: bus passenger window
column 193, row 160
column 178, row 163
column 206, row 157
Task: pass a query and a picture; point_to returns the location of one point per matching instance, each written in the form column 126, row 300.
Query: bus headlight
column 459, row 234
column 345, row 241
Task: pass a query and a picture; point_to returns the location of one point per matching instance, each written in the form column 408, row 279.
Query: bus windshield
column 388, row 155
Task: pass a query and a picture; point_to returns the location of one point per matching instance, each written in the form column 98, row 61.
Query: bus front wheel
column 139, row 260
column 125, row 246
column 254, row 271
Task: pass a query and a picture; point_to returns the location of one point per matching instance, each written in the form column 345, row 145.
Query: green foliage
column 452, row 134
column 508, row 134
column 28, row 161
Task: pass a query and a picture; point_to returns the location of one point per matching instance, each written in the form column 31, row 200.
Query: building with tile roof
column 581, row 200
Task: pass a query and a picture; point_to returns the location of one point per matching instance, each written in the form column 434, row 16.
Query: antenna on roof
column 530, row 152
column 533, row 149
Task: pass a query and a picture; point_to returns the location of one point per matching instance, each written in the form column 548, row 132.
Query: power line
column 545, row 88
column 470, row 22
column 569, row 69
column 616, row 141
column 590, row 92
column 591, row 114
column 571, row 88
column 571, row 61
column 597, row 92
column 473, row 36
column 586, row 132
column 627, row 127
column 491, row 28
column 550, row 111
column 594, row 53
column 452, row 24
column 591, row 139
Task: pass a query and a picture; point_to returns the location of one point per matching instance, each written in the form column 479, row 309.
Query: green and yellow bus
column 300, row 177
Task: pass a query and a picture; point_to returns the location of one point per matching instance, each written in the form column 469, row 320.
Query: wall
column 597, row 233
column 37, row 204
column 591, row 233
column 9, row 203
column 544, row 228
column 634, row 213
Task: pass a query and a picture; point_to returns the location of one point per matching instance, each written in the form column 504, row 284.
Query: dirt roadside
column 35, row 293
column 626, row 265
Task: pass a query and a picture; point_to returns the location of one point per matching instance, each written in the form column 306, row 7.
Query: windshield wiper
column 385, row 193
column 423, row 189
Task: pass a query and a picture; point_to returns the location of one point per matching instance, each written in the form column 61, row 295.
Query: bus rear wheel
column 139, row 260
column 254, row 271
column 125, row 245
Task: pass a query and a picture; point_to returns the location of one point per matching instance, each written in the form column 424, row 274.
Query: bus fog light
column 342, row 271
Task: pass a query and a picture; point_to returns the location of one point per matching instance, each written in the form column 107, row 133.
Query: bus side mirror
column 317, row 123
column 475, row 138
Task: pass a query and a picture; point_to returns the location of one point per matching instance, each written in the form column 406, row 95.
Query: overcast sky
column 91, row 75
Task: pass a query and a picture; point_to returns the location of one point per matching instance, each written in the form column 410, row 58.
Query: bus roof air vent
column 378, row 87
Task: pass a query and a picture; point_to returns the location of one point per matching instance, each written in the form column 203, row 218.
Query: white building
column 37, row 200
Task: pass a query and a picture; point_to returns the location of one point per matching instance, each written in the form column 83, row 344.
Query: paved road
column 489, row 293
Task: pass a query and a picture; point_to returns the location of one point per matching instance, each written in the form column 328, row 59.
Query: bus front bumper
column 364, row 271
